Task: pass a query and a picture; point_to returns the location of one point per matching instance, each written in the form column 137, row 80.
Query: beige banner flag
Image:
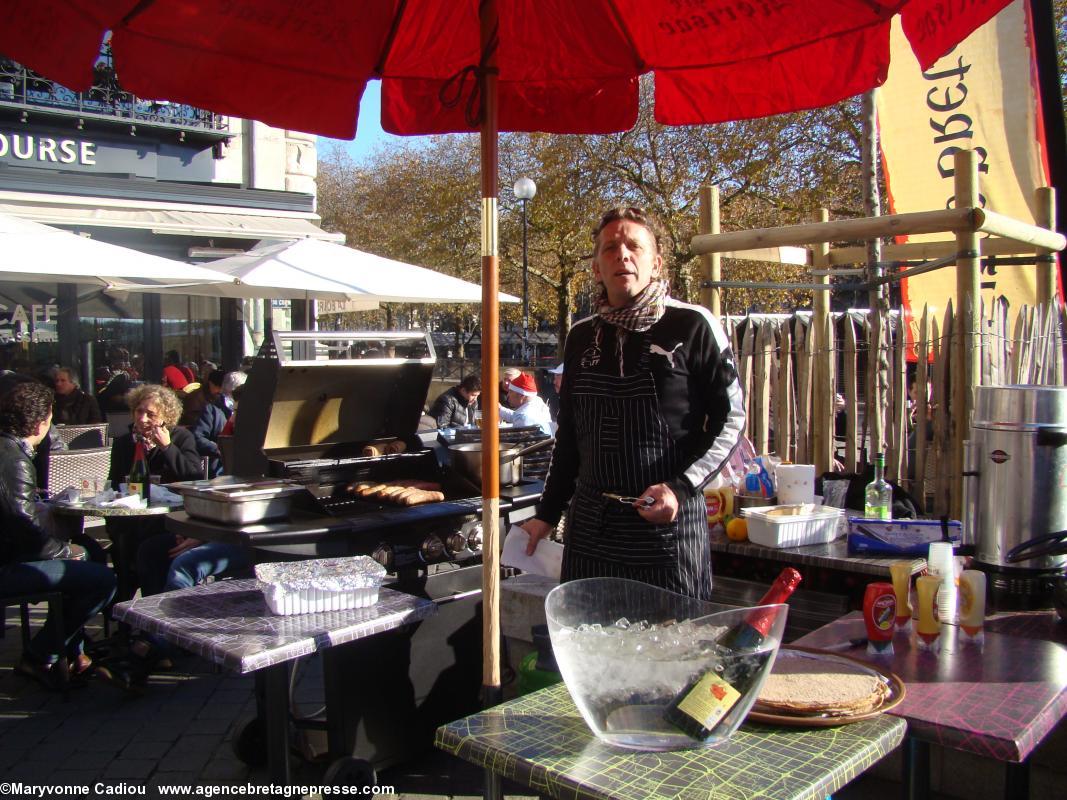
column 980, row 96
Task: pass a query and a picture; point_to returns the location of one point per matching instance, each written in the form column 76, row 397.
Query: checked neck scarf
column 639, row 315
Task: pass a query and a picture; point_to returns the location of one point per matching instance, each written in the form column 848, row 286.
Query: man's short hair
column 510, row 374
column 631, row 214
column 471, row 383
column 216, row 377
column 72, row 376
column 24, row 407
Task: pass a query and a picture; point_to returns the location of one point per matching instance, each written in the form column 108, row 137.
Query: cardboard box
column 897, row 537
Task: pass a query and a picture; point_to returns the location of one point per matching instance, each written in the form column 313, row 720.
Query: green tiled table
column 541, row 741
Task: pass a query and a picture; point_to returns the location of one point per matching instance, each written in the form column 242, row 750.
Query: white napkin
column 128, row 501
column 547, row 559
column 161, row 494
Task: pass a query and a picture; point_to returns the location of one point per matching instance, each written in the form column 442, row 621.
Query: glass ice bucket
column 650, row 669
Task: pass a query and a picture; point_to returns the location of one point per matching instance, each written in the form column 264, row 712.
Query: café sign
column 34, row 323
column 46, row 149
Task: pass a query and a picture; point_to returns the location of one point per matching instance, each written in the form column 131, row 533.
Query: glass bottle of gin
column 878, row 497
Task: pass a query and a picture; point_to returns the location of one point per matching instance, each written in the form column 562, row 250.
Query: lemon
column 737, row 529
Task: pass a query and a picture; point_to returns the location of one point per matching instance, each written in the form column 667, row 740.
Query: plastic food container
column 325, row 584
column 793, row 525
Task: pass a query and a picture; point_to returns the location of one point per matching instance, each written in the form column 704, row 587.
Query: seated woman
column 164, row 560
column 31, row 559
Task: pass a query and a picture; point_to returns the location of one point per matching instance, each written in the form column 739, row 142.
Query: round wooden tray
column 896, row 695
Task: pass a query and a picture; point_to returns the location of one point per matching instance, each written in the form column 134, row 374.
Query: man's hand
column 184, row 543
column 664, row 505
column 537, row 530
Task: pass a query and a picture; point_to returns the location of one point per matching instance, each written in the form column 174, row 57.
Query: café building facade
column 154, row 176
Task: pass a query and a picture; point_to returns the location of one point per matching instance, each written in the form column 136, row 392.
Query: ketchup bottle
column 879, row 614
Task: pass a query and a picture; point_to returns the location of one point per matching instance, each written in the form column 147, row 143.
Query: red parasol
column 564, row 66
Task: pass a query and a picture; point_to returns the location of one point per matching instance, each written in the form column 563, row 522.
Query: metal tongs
column 629, row 501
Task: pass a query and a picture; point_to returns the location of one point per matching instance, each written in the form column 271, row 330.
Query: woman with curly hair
column 32, row 560
column 170, row 450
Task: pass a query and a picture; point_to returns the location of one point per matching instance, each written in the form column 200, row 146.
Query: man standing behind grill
column 650, row 408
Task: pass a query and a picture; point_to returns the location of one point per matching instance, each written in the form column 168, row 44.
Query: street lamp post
column 525, row 189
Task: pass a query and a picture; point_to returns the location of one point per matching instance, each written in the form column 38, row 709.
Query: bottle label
column 876, row 512
column 709, row 701
column 135, row 488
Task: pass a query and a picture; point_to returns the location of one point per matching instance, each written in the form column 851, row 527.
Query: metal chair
column 66, row 468
column 80, row 437
column 55, row 619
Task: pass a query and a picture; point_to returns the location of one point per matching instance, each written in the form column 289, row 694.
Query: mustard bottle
column 928, row 629
column 972, row 606
column 900, row 571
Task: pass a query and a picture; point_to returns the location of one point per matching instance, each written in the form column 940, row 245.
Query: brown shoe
column 46, row 674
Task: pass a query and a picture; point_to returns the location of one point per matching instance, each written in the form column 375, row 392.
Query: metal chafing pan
column 232, row 501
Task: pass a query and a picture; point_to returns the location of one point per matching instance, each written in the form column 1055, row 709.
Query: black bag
column 904, row 505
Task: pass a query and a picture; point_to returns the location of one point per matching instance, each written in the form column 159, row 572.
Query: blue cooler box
column 897, row 537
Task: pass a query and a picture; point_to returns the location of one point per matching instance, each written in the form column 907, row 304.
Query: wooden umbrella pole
column 490, row 363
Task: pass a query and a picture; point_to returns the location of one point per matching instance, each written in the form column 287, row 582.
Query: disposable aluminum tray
column 325, row 584
column 239, row 503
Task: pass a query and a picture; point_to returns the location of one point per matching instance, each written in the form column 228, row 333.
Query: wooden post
column 761, row 388
column 710, row 264
column 1045, row 202
column 922, row 393
column 785, row 413
column 851, row 397
column 967, row 368
column 804, row 349
column 822, row 394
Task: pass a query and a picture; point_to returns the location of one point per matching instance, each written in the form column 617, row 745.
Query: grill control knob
column 474, row 538
column 431, row 549
column 383, row 554
column 456, row 543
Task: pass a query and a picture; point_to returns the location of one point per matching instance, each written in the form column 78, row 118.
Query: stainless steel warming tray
column 233, row 501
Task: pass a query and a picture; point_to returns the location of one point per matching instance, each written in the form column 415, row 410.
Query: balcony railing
column 20, row 86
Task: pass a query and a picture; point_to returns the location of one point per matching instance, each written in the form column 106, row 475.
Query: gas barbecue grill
column 312, row 402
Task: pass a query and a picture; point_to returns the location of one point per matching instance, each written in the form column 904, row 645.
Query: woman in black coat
column 170, row 450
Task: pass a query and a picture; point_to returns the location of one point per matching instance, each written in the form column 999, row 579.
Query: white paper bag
column 547, row 559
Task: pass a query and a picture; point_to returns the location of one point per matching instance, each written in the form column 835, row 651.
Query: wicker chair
column 80, row 437
column 67, row 468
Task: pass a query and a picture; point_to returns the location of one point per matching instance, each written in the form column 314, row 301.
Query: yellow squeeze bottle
column 972, row 606
column 901, row 574
column 929, row 628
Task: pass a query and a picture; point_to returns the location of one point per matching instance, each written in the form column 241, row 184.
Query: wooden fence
column 806, row 390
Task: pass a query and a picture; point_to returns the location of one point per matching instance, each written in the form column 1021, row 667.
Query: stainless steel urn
column 1016, row 476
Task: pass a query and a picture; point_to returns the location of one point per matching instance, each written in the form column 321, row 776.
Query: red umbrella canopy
column 565, row 66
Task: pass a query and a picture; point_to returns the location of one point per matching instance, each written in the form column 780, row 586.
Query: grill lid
column 327, row 393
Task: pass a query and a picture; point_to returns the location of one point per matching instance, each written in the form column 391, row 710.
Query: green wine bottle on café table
column 138, row 481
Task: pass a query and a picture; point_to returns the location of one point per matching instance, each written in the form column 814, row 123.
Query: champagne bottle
column 137, row 481
column 703, row 704
column 878, row 496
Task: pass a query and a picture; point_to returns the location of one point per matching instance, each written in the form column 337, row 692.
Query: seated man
column 526, row 407
column 215, row 415
column 32, row 560
column 73, row 406
column 455, row 408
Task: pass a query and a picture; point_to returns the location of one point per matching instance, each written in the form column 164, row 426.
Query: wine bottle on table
column 706, row 700
column 137, row 481
column 878, row 496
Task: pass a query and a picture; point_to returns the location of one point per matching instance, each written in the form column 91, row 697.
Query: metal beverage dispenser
column 1015, row 488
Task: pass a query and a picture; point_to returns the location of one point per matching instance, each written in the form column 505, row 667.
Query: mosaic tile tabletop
column 833, row 555
column 999, row 700
column 228, row 622
column 542, row 742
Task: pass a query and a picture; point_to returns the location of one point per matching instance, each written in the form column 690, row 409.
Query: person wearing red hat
column 650, row 412
column 526, row 408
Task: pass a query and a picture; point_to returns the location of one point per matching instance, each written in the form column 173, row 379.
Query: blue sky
column 369, row 133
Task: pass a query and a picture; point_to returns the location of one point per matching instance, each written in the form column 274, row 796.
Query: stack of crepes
column 824, row 687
